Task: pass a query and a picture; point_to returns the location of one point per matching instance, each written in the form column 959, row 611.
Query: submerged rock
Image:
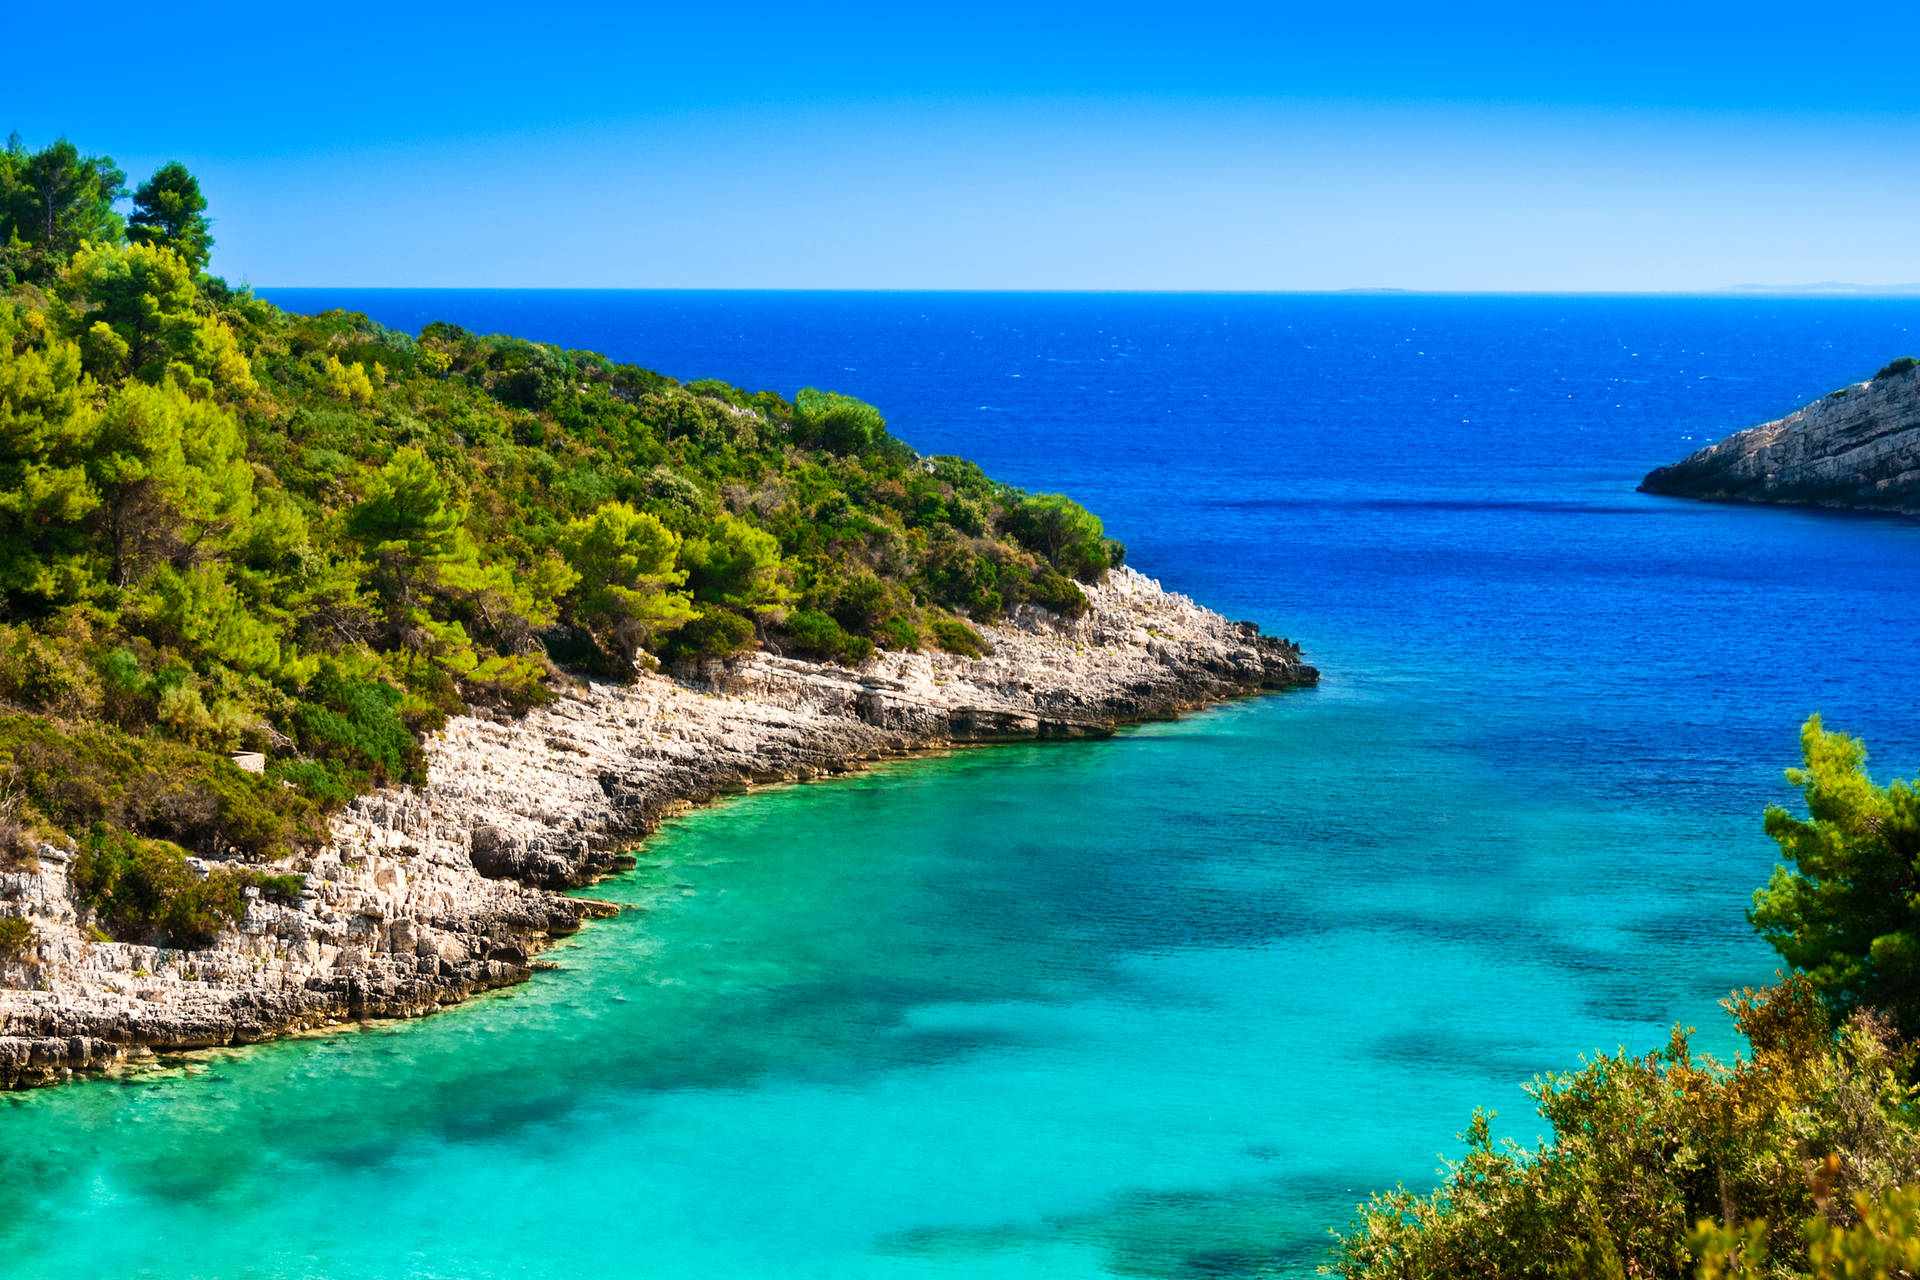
column 1856, row 449
column 428, row 895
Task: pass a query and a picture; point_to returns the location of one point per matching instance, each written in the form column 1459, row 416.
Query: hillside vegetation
column 226, row 528
column 1799, row 1158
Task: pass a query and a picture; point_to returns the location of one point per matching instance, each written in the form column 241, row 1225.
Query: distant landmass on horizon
column 1829, row 287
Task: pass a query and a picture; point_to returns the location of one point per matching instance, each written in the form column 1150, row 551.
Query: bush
column 714, row 633
column 359, row 722
column 285, row 889
column 837, row 423
column 73, row 779
column 963, row 579
column 1883, row 1242
column 527, row 374
column 16, row 935
column 898, row 634
column 815, row 635
column 516, row 684
column 145, row 891
column 315, row 779
column 1646, row 1147
column 1058, row 593
column 957, row 637
column 1905, row 364
column 1066, row 533
column 43, row 672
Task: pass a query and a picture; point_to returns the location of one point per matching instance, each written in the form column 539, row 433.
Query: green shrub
column 330, row 785
column 955, row 636
column 1066, row 533
column 1786, row 1162
column 285, row 888
column 1058, row 593
column 1645, row 1147
column 961, row 578
column 46, row 672
column 359, row 722
column 1904, row 364
column 145, row 891
column 713, row 633
column 16, row 935
column 814, row 635
column 898, row 634
column 1882, row 1242
column 516, row 683
column 75, row 778
column 840, row 424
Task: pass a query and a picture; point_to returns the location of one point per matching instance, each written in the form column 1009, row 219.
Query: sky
column 1537, row 147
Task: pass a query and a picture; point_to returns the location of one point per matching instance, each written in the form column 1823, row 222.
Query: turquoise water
column 1009, row 1012
column 1167, row 1005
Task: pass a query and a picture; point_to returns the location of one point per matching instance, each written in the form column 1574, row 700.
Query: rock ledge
column 1857, row 449
column 426, row 896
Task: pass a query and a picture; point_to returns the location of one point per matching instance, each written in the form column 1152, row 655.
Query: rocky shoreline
column 1857, row 449
column 426, row 896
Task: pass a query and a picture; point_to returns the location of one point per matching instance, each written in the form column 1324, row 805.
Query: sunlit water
column 1167, row 1005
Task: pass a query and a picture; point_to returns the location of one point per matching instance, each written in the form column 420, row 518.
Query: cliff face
column 426, row 896
column 1858, row 448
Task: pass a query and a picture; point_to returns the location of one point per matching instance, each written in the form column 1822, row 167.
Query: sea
column 1165, row 1006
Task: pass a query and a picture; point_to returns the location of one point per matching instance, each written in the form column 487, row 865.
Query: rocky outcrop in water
column 426, row 896
column 1857, row 449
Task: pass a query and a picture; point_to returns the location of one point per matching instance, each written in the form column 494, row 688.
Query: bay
column 1167, row 1005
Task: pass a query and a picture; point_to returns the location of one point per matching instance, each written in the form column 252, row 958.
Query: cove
column 1012, row 1011
column 1166, row 1005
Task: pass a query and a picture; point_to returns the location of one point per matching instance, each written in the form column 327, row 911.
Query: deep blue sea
column 1164, row 1006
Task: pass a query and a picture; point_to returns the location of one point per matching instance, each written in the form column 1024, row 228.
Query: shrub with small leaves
column 146, row 891
column 16, row 935
column 957, row 637
column 283, row 888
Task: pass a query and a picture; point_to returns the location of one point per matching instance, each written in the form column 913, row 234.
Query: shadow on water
column 1249, row 1231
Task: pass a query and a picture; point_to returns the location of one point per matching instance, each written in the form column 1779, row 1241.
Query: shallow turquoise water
column 1015, row 1011
column 1167, row 1005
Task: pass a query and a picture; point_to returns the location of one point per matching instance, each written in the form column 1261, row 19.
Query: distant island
column 1855, row 449
column 1830, row 288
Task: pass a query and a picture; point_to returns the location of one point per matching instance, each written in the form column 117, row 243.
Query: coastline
column 1855, row 449
column 427, row 896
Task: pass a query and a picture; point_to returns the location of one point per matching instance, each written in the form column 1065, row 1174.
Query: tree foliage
column 628, row 585
column 224, row 527
column 51, row 202
column 1844, row 908
column 836, row 422
column 1066, row 533
column 1644, row 1148
column 169, row 211
column 1800, row 1160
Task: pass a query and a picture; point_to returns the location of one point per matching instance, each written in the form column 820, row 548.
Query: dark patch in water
column 1475, row 1059
column 1255, row 1230
column 1546, row 506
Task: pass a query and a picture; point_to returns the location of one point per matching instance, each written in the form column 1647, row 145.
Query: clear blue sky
column 989, row 145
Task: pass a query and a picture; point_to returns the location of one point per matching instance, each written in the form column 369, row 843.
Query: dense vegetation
column 228, row 528
column 1802, row 1158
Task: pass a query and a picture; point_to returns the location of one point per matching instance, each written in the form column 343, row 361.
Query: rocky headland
column 1856, row 449
column 428, row 895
